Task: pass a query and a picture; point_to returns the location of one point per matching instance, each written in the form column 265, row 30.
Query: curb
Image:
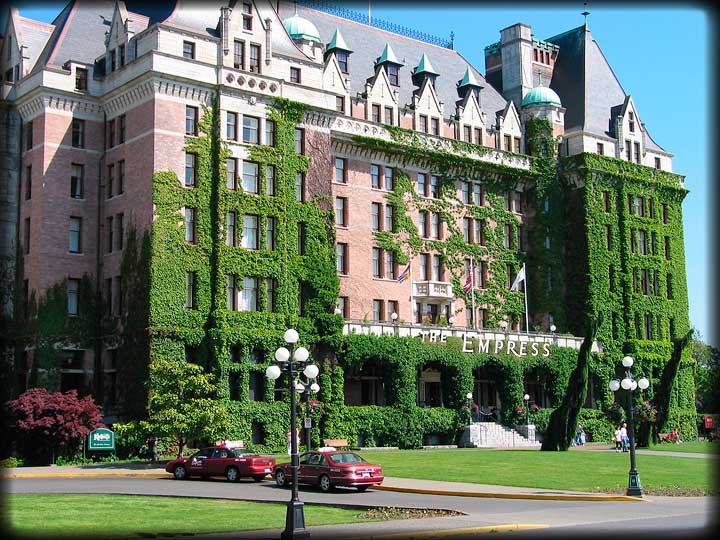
column 454, row 532
column 79, row 474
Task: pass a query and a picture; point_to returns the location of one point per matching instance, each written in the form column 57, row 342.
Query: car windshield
column 346, row 457
column 239, row 453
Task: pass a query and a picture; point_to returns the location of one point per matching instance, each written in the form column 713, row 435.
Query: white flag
column 520, row 277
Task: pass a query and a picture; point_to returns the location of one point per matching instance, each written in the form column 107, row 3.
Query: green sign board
column 101, row 439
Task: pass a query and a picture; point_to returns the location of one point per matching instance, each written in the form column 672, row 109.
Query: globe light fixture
column 291, row 336
column 301, row 354
column 503, row 324
column 311, row 371
column 394, row 316
column 630, row 383
column 526, row 397
column 451, row 320
column 282, row 354
column 338, row 311
column 314, row 388
column 468, row 395
column 553, row 327
column 272, row 372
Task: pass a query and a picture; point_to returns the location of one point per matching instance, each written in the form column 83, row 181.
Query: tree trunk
column 563, row 420
column 667, row 381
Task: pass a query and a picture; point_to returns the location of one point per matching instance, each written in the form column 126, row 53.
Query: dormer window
column 342, row 58
column 631, row 122
column 393, row 73
column 255, row 58
column 81, row 79
column 188, row 51
column 121, row 51
column 247, row 16
column 112, row 60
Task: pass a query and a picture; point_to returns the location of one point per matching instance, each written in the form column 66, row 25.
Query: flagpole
column 472, row 291
column 525, row 288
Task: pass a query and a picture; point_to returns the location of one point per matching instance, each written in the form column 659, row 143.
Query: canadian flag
column 469, row 283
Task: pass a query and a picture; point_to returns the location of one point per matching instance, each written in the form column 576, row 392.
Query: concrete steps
column 493, row 435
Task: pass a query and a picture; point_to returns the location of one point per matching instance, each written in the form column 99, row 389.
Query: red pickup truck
column 233, row 464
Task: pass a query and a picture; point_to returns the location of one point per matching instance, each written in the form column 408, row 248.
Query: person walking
column 624, row 437
column 618, row 438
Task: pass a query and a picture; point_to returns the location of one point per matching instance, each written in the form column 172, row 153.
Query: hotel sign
column 483, row 344
column 101, row 439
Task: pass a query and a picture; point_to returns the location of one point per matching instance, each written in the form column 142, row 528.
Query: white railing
column 433, row 289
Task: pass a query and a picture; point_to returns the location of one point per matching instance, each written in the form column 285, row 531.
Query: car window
column 202, row 454
column 239, row 453
column 219, row 453
column 304, row 459
column 322, row 462
column 346, row 457
column 314, row 459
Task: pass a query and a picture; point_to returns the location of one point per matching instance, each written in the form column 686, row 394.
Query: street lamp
column 394, row 317
column 291, row 362
column 553, row 328
column 526, row 397
column 629, row 383
column 306, row 386
column 503, row 325
column 469, row 398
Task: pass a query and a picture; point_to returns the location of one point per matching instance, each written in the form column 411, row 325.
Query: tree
column 563, row 420
column 181, row 404
column 52, row 424
column 707, row 376
column 663, row 390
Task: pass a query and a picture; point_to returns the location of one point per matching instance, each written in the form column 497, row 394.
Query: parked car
column 233, row 464
column 331, row 468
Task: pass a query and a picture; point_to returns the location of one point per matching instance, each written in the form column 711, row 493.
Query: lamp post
column 394, row 317
column 469, row 398
column 526, row 397
column 305, row 387
column 291, row 362
column 629, row 383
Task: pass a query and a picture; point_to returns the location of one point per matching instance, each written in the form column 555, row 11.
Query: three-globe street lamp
column 291, row 361
column 629, row 383
column 305, row 387
column 526, row 397
column 469, row 398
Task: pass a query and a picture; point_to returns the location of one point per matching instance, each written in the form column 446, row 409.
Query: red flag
column 469, row 283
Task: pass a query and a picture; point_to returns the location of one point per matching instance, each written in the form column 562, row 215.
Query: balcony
column 437, row 290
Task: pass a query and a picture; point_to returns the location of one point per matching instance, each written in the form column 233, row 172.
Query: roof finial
column 585, row 14
column 369, row 14
column 452, row 40
column 295, row 7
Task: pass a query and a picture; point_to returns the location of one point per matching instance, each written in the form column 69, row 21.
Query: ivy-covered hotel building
column 188, row 181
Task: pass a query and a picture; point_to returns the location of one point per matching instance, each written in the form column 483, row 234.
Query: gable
column 380, row 89
column 333, row 78
column 426, row 100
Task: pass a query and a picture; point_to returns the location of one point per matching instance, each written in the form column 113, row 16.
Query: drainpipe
column 97, row 364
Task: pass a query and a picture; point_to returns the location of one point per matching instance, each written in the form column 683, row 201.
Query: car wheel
column 259, row 477
column 324, row 483
column 180, row 473
column 280, row 478
column 362, row 488
column 232, row 474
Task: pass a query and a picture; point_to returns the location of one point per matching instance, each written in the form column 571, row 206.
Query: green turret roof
column 424, row 66
column 337, row 43
column 468, row 80
column 541, row 95
column 388, row 57
column 300, row 28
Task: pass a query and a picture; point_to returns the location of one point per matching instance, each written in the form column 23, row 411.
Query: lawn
column 126, row 516
column 695, row 447
column 578, row 471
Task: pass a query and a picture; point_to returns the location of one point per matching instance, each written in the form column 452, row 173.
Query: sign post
column 101, row 439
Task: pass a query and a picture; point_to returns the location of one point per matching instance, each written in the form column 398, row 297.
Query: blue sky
column 660, row 55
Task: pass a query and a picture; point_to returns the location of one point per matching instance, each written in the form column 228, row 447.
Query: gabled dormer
column 424, row 71
column 508, row 129
column 427, row 110
column 337, row 86
column 338, row 49
column 389, row 63
column 116, row 40
column 11, row 60
column 469, row 118
column 628, row 130
column 381, row 97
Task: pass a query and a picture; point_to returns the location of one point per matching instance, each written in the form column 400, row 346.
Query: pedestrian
column 618, row 438
column 624, row 437
column 152, row 448
column 578, row 436
column 582, row 436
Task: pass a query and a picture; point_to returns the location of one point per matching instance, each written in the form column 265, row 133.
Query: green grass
column 578, row 471
column 695, row 447
column 127, row 516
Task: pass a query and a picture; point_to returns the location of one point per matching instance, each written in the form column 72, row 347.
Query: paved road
column 658, row 517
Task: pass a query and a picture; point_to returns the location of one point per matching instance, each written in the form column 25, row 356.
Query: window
column 121, row 230
column 231, row 174
column 423, row 224
column 250, row 183
column 422, row 184
column 255, row 58
column 478, row 136
column 231, row 288
column 239, row 54
column 378, row 310
column 388, row 115
column 644, row 281
column 377, row 262
column 648, row 325
column 28, row 183
column 611, row 278
column 637, row 152
column 75, row 239
column 251, row 130
column 122, row 129
column 231, row 126
column 375, row 110
column 628, row 150
column 269, row 132
column 665, row 213
column 113, row 60
column 606, row 201
column 508, row 201
column 389, row 178
column 435, row 186
column 342, row 58
column 516, row 145
column 654, row 243
column 249, row 294
column 437, row 268
column 631, row 121
column 301, row 238
column 480, row 232
column 375, row 216
column 78, row 133
column 651, row 207
column 508, row 237
column 73, row 293
column 465, row 192
column 510, row 276
column 667, row 248
column 668, row 287
column 340, row 171
column 517, row 200
column 341, row 259
column 300, row 187
column 121, row 177
column 270, row 180
column 341, row 212
column 299, row 141
column 111, row 133
column 424, row 266
column 108, row 296
column 189, row 50
column 393, row 73
column 436, row 230
column 247, row 16
column 271, row 289
column 190, row 294
column 76, row 181
column 423, row 124
column 608, row 237
column 467, row 133
column 642, row 243
column 657, row 163
column 390, row 272
column 190, row 228
column 231, row 229
column 81, row 79
column 343, row 304
column 435, row 126
column 110, row 221
column 29, row 135
column 271, row 234
column 389, row 218
column 190, row 169
column 601, row 149
column 295, row 75
column 478, row 194
column 522, row 238
column 392, row 307
column 250, row 237
column 191, row 119
column 507, row 142
column 375, row 176
column 547, row 238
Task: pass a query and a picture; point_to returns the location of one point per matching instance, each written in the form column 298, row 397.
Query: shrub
column 10, row 463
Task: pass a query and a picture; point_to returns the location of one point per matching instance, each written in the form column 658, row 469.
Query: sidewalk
column 406, row 485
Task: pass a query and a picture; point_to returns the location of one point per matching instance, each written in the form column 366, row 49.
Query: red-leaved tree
column 50, row 424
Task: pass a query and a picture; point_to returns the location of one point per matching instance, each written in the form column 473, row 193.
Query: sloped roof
column 368, row 43
column 34, row 37
column 587, row 85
